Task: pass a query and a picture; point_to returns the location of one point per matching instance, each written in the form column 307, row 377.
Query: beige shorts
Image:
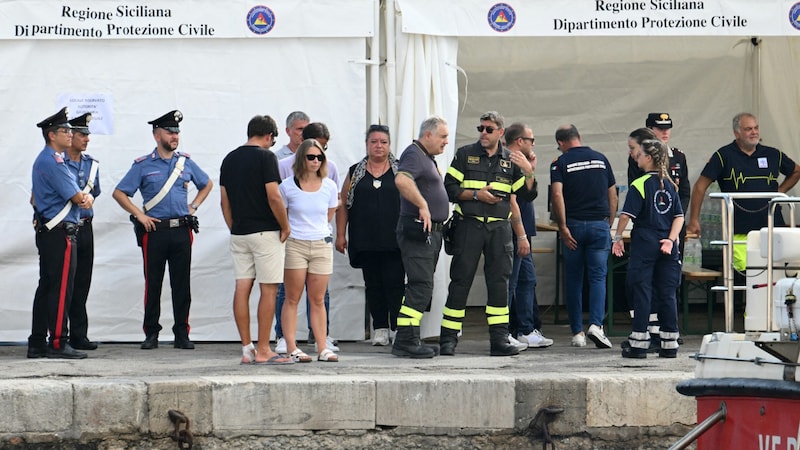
column 316, row 256
column 258, row 256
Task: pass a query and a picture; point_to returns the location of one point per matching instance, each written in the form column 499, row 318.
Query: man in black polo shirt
column 423, row 209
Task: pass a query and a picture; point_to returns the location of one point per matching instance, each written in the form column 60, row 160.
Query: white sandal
column 299, row 356
column 328, row 356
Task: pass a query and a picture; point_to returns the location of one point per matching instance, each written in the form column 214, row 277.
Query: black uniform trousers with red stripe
column 173, row 246
column 78, row 319
column 57, row 263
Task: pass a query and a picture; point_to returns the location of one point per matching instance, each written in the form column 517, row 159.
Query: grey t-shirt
column 422, row 167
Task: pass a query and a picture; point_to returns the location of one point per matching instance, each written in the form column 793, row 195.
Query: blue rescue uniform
column 654, row 283
column 53, row 187
column 172, row 240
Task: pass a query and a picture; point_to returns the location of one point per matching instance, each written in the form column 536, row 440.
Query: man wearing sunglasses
column 480, row 181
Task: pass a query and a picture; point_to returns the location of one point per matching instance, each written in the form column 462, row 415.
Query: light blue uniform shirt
column 148, row 175
column 53, row 185
column 81, row 169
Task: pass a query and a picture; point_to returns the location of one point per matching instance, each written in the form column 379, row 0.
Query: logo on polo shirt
column 502, row 17
column 260, row 19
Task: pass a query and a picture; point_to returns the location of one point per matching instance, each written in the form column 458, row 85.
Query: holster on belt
column 194, row 223
column 138, row 230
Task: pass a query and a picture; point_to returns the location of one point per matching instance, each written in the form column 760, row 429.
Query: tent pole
column 391, row 75
column 374, row 67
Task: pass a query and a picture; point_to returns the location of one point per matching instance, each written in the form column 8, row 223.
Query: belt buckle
column 174, row 223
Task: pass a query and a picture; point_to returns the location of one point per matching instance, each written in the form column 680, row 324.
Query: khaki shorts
column 258, row 256
column 316, row 256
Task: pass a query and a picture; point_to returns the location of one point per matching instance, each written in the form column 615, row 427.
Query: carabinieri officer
column 86, row 170
column 164, row 225
column 56, row 200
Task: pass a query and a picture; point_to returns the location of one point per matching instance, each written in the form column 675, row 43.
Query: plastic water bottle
column 692, row 260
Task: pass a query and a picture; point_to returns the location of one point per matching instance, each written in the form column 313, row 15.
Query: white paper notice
column 100, row 105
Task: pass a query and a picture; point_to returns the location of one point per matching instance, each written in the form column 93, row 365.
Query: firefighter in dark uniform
column 56, row 200
column 164, row 226
column 480, row 181
column 80, row 164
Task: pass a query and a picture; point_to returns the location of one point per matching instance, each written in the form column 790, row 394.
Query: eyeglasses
column 381, row 128
column 64, row 130
column 319, row 157
column 489, row 130
column 528, row 139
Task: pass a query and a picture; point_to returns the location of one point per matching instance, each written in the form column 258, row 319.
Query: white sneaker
column 280, row 346
column 330, row 343
column 579, row 340
column 535, row 339
column 381, row 337
column 597, row 336
column 519, row 345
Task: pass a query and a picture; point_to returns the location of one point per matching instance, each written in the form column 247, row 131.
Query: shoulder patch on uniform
column 183, row 154
column 59, row 159
column 90, row 157
column 140, row 159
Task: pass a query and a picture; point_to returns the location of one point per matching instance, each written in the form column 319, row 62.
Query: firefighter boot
column 498, row 341
column 407, row 344
column 448, row 339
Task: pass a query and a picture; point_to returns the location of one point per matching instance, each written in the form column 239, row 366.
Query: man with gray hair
column 744, row 165
column 480, row 182
column 423, row 209
column 295, row 122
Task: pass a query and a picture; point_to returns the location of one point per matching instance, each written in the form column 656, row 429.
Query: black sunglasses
column 319, row 157
column 489, row 130
column 528, row 139
column 381, row 128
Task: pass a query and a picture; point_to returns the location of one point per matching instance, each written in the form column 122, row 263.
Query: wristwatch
column 474, row 194
column 194, row 206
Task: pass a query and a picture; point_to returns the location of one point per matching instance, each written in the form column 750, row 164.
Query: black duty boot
column 407, row 344
column 448, row 339
column 498, row 341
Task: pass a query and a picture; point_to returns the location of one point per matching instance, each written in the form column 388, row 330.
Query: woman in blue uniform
column 653, row 205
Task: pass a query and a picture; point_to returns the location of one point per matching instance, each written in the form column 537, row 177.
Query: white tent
column 312, row 59
column 519, row 58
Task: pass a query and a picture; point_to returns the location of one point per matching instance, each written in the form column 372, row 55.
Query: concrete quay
column 120, row 396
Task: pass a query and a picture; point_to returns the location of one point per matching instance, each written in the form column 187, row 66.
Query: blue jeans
column 524, row 311
column 591, row 257
column 279, row 306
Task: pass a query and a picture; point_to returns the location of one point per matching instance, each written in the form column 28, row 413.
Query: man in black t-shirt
column 256, row 216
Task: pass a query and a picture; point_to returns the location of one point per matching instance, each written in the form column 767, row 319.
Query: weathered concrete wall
column 612, row 409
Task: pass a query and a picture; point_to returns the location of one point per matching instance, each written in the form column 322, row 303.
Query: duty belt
column 85, row 221
column 437, row 226
column 69, row 227
column 172, row 223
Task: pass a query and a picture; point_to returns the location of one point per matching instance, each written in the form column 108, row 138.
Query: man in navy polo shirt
column 744, row 165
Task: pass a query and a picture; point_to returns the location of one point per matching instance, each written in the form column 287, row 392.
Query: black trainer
column 37, row 352
column 65, row 353
column 150, row 342
column 184, row 343
column 82, row 344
